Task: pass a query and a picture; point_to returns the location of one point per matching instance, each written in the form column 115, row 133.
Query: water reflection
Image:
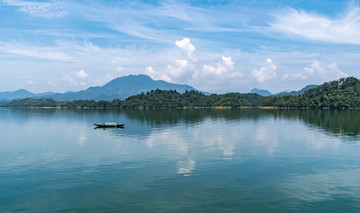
column 81, row 139
column 324, row 185
column 264, row 137
column 345, row 122
column 245, row 160
column 336, row 122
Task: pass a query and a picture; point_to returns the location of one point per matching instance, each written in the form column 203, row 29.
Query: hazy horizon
column 213, row 46
column 219, row 91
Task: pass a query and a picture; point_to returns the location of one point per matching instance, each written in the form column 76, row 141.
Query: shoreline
column 186, row 107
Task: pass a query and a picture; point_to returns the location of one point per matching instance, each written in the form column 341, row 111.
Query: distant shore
column 185, row 108
column 341, row 94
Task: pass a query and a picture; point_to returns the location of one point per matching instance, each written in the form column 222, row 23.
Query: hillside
column 266, row 93
column 121, row 88
column 153, row 100
column 297, row 92
column 18, row 94
column 118, row 88
column 262, row 92
column 342, row 93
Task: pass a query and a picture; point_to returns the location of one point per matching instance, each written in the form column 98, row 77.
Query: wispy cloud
column 30, row 82
column 211, row 46
column 32, row 50
column 40, row 9
column 343, row 29
column 162, row 22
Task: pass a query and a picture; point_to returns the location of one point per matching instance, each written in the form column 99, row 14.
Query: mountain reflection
column 289, row 157
column 192, row 116
column 335, row 122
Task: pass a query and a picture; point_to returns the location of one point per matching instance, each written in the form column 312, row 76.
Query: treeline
column 339, row 94
column 343, row 93
column 154, row 99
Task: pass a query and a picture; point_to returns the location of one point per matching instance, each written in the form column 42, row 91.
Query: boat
column 109, row 124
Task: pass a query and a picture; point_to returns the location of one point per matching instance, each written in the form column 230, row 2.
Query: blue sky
column 215, row 46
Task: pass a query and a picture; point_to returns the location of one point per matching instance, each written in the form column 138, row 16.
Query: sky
column 212, row 45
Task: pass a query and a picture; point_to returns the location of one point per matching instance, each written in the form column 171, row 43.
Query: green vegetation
column 31, row 102
column 343, row 93
column 340, row 94
column 154, row 99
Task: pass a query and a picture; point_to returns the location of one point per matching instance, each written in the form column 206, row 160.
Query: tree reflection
column 336, row 122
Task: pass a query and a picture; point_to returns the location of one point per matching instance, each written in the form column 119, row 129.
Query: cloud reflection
column 81, row 139
column 175, row 141
column 266, row 138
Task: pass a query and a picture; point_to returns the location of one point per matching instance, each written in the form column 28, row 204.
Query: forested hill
column 342, row 93
column 153, row 100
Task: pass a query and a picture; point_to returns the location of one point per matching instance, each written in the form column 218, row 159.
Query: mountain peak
column 127, row 78
column 121, row 88
column 18, row 94
column 262, row 92
column 306, row 88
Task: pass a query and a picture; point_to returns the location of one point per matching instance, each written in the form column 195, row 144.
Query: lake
column 244, row 160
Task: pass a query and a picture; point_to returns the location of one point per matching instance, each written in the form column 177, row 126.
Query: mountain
column 340, row 94
column 262, row 92
column 18, row 94
column 308, row 87
column 121, row 88
column 267, row 93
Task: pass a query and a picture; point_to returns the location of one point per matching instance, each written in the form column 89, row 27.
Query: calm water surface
column 179, row 161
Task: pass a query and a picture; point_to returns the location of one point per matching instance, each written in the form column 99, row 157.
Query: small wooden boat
column 109, row 124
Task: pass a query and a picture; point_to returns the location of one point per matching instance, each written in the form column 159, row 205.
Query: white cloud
column 82, row 74
column 52, row 83
column 42, row 52
column 343, row 29
column 179, row 69
column 186, row 46
column 294, row 76
column 69, row 80
column 266, row 72
column 109, row 76
column 317, row 72
column 105, row 79
column 156, row 74
column 30, row 82
column 73, row 79
column 187, row 69
column 329, row 72
column 39, row 9
column 170, row 74
column 227, row 61
column 216, row 74
column 119, row 69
